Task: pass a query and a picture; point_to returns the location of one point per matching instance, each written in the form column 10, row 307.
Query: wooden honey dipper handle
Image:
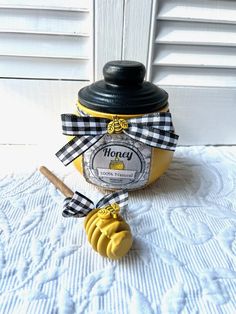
column 56, row 182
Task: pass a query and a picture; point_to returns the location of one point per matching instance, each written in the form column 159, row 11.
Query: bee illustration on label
column 117, row 164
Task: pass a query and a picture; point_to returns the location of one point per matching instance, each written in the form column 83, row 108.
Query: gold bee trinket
column 117, row 125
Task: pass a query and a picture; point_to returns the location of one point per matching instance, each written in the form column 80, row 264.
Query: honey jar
column 122, row 136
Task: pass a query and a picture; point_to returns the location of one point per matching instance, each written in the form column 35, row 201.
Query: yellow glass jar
column 124, row 135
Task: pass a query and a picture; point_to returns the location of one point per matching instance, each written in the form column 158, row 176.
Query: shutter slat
column 44, row 21
column 195, row 56
column 44, row 46
column 196, row 33
column 45, row 8
column 15, row 31
column 44, row 68
column 183, row 76
column 220, row 11
column 59, row 56
column 69, row 5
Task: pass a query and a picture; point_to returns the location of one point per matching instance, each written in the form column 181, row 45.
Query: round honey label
column 117, row 161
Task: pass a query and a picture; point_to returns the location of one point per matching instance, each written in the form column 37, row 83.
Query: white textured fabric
column 183, row 259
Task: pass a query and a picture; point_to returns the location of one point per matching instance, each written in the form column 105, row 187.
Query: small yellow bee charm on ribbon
column 110, row 211
column 117, row 125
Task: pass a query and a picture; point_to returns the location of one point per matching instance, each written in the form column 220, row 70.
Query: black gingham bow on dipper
column 155, row 129
column 79, row 205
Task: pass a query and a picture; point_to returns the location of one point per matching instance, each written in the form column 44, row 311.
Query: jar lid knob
column 124, row 73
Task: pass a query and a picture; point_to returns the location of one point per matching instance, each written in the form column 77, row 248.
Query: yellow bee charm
column 107, row 232
column 117, row 125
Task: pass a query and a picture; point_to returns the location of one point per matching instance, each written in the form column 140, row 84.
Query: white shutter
column 193, row 56
column 46, row 56
column 195, row 43
column 46, row 40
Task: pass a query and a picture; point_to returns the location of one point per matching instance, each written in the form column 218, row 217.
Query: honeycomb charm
column 107, row 232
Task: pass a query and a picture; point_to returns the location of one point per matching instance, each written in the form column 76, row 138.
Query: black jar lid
column 123, row 91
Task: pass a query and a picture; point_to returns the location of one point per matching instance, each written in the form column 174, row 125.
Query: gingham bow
column 155, row 129
column 79, row 205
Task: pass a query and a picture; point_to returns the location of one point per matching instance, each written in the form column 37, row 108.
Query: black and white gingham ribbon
column 154, row 129
column 79, row 205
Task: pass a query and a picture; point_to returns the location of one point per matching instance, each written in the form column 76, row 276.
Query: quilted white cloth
column 183, row 259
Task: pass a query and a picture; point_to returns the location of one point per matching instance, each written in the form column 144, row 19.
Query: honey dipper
column 106, row 230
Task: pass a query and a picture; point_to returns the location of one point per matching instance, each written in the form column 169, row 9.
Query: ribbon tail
column 75, row 147
column 78, row 206
column 120, row 197
column 154, row 137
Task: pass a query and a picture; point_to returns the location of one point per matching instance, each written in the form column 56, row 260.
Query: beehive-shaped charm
column 107, row 232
